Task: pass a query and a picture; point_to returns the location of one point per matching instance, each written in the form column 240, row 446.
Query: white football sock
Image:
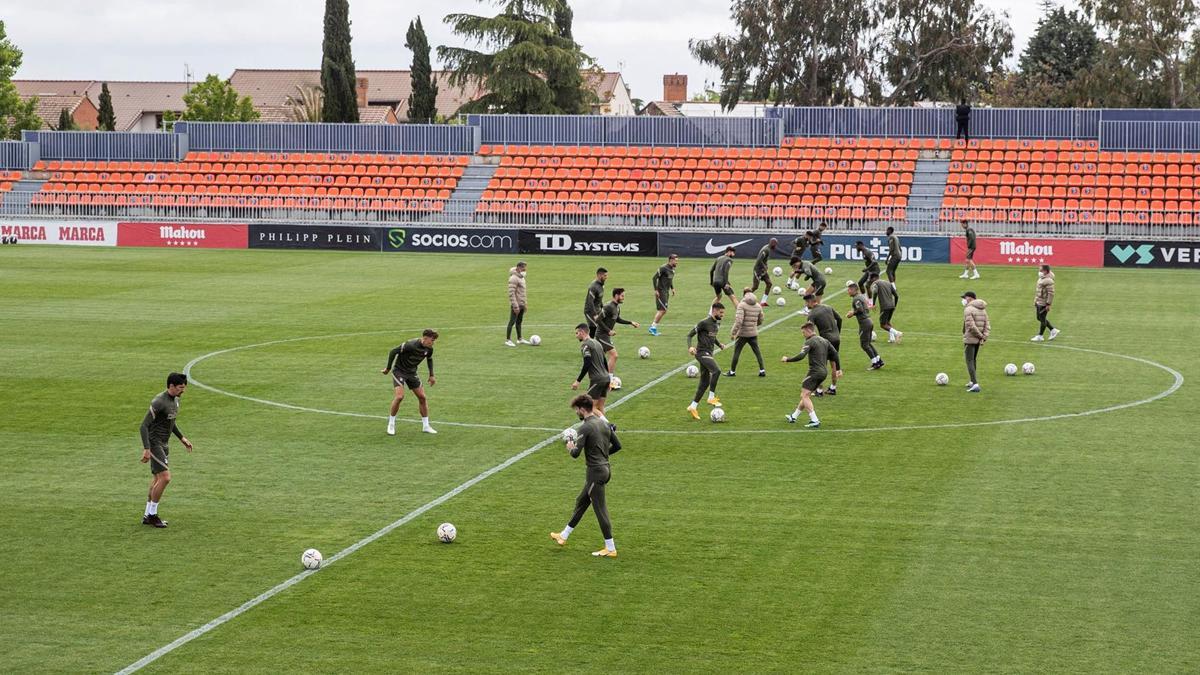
column 154, row 508
column 796, row 412
column 610, row 544
column 425, row 421
column 147, row 509
column 812, row 415
column 765, row 298
column 892, row 332
column 692, row 405
column 391, row 420
column 566, row 532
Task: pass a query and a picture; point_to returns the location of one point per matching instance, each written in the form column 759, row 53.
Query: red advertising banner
column 183, row 235
column 1021, row 251
column 72, row 233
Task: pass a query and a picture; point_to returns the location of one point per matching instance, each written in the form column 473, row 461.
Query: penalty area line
column 406, row 518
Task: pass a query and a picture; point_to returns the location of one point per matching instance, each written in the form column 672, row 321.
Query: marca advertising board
column 588, row 242
column 835, row 247
column 328, row 237
column 1022, row 251
column 70, row 233
column 1152, row 254
column 417, row 239
column 182, row 235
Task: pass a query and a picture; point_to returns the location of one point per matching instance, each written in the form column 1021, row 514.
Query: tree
column 338, row 79
column 15, row 114
column 801, row 52
column 571, row 96
column 1151, row 51
column 307, row 107
column 108, row 119
column 215, row 100
column 1056, row 68
column 422, row 102
column 528, row 49
column 65, row 121
column 941, row 50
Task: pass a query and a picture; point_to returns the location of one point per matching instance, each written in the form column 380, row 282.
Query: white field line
column 283, row 586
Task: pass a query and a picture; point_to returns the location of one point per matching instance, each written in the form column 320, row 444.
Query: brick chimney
column 675, row 88
column 360, row 90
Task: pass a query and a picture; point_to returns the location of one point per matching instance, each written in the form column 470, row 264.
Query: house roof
column 49, row 107
column 130, row 99
column 372, row 114
column 384, row 87
column 704, row 109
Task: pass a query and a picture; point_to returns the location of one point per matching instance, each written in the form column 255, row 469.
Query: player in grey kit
column 606, row 326
column 886, row 297
column 829, row 326
column 861, row 311
column 820, row 353
column 761, row 273
column 403, row 360
column 664, row 288
column 718, row 275
column 597, row 441
column 157, row 428
column 706, row 333
column 870, row 264
column 594, row 367
column 893, row 259
column 594, row 302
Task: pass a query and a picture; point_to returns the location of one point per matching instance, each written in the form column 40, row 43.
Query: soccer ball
column 778, row 271
column 717, row 415
column 311, row 559
column 777, row 290
column 781, row 301
column 941, row 379
column 569, row 434
column 872, row 336
column 535, row 340
column 447, row 532
column 1027, row 368
column 644, row 352
column 616, row 383
column 692, row 371
column 828, row 270
column 1010, row 369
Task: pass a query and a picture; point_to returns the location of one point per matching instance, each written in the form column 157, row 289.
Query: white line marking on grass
column 283, row 586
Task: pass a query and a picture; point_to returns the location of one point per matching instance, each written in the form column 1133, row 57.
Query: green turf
column 1059, row 545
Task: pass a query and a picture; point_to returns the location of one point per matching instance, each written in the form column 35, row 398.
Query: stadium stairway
column 475, row 179
column 17, row 202
column 928, row 192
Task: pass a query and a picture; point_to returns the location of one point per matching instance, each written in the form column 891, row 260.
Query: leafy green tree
column 108, row 119
column 215, row 100
column 307, row 105
column 528, row 48
column 1151, row 53
column 65, row 121
column 338, row 79
column 422, row 102
column 1057, row 68
column 15, row 114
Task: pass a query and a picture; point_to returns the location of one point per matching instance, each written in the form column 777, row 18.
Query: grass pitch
column 1066, row 544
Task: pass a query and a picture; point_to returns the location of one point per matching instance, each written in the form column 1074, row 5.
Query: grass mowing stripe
column 279, row 588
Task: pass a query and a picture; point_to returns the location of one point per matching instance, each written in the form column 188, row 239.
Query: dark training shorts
column 813, row 381
column 722, row 289
column 159, row 461
column 660, row 303
column 970, row 254
column 885, row 316
column 598, row 391
column 819, row 289
column 409, row 380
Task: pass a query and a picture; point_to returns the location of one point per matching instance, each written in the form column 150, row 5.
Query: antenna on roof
column 187, row 77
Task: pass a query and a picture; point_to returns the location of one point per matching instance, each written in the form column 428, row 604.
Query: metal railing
column 627, row 130
column 688, row 215
column 1039, row 123
column 108, row 145
column 1150, row 136
column 18, row 154
column 417, row 139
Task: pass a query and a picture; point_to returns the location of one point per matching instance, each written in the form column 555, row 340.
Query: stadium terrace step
column 475, row 179
column 929, row 188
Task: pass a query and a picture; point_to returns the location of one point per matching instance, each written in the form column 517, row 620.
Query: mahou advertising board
column 183, row 235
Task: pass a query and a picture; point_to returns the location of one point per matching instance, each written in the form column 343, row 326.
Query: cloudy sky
column 153, row 39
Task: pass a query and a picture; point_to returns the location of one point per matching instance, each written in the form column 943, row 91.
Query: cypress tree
column 65, row 121
column 562, row 73
column 108, row 119
column 422, row 102
column 337, row 65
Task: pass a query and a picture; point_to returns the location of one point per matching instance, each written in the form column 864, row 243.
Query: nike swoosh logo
column 710, row 249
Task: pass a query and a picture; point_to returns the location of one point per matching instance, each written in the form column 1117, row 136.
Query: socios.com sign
column 450, row 240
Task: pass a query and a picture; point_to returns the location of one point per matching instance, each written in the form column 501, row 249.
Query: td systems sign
column 583, row 242
column 1152, row 254
column 175, row 235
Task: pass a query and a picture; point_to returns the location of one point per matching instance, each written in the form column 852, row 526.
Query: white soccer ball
column 311, row 559
column 1010, row 369
column 692, row 371
column 776, row 290
column 717, row 415
column 941, row 379
column 1027, row 368
column 643, row 352
column 781, row 301
column 569, row 434
column 778, row 271
column 447, row 532
column 872, row 336
column 828, row 270
column 535, row 340
column 616, row 383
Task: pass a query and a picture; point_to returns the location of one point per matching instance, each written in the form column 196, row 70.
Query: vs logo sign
column 1145, row 253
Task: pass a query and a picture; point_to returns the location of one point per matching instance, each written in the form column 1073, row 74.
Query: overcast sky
column 153, row 39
